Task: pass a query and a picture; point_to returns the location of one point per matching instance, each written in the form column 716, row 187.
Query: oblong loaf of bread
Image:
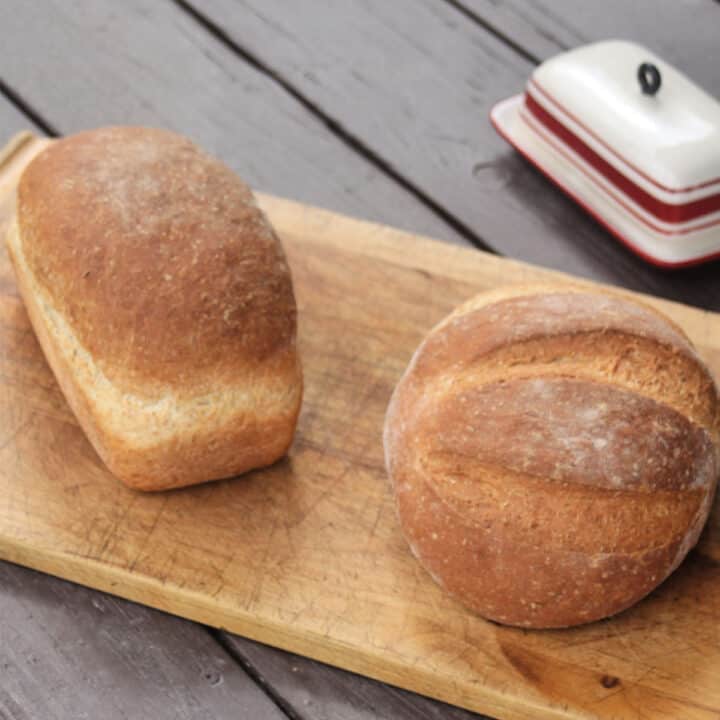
column 554, row 453
column 163, row 302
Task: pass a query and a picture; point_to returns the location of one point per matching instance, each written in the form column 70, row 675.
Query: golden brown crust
column 573, row 431
column 166, row 311
column 157, row 255
column 577, row 333
column 552, row 463
column 468, row 335
column 514, row 579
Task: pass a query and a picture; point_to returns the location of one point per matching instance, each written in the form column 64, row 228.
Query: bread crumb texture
column 554, row 453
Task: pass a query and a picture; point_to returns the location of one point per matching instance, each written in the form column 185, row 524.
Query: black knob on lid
column 649, row 77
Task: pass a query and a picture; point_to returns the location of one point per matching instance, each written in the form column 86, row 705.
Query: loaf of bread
column 163, row 303
column 553, row 452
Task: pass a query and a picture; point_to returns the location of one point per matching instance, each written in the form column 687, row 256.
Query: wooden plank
column 70, row 652
column 683, row 33
column 150, row 63
column 12, row 121
column 414, row 80
column 317, row 691
column 307, row 555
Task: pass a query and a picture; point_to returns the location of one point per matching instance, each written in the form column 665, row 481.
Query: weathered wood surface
column 69, row 652
column 146, row 62
column 414, row 80
column 317, row 691
column 307, row 555
column 685, row 33
column 12, row 121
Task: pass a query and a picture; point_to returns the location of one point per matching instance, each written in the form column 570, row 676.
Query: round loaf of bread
column 554, row 453
column 163, row 302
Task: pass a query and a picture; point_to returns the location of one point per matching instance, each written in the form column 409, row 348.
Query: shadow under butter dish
column 163, row 303
column 554, row 453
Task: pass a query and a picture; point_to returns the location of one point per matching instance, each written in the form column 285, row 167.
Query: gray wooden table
column 372, row 108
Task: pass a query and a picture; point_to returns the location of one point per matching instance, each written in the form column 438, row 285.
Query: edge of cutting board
column 352, row 237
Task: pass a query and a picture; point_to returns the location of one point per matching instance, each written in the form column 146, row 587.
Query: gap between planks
column 254, row 673
column 336, row 127
column 14, row 98
column 494, row 31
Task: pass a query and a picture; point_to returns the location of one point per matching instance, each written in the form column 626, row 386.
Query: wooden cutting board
column 307, row 555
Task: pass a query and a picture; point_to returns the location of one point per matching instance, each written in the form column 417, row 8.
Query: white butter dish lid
column 632, row 139
column 670, row 137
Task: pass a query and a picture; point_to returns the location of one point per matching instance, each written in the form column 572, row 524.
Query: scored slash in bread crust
column 554, row 453
column 163, row 302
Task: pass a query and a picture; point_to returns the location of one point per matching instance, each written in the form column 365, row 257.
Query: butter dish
column 631, row 139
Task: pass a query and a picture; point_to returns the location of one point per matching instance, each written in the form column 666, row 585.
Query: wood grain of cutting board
column 307, row 555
